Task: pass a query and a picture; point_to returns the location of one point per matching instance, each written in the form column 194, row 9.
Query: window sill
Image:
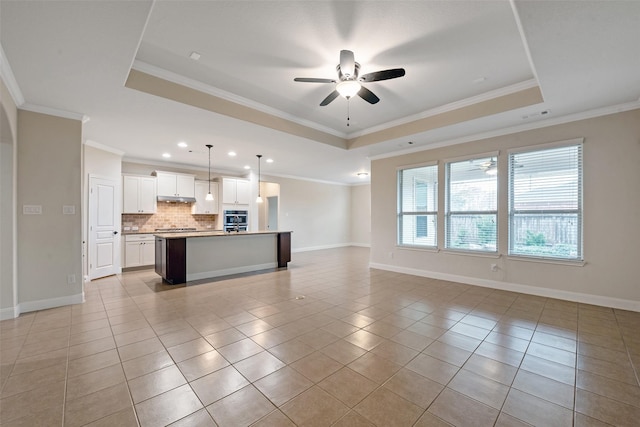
column 547, row 260
column 472, row 253
column 418, row 248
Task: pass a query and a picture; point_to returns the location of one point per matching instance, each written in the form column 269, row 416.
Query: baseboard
column 360, row 245
column 9, row 313
column 318, row 248
column 605, row 301
column 43, row 304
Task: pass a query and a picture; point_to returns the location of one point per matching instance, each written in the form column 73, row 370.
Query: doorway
column 272, row 213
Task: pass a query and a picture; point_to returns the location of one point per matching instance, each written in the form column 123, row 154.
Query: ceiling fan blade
column 347, row 63
column 333, row 95
column 382, row 75
column 367, row 95
column 313, row 80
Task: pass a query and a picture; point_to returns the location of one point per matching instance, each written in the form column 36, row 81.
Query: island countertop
column 213, row 233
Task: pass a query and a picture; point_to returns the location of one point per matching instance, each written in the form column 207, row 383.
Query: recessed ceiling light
column 182, row 144
column 269, row 160
column 247, row 167
column 231, row 153
column 479, row 80
column 166, row 155
column 194, row 55
column 363, row 174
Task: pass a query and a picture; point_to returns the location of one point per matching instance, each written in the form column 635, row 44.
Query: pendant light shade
column 209, row 195
column 259, row 199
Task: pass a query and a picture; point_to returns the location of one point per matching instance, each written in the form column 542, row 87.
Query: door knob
column 115, row 232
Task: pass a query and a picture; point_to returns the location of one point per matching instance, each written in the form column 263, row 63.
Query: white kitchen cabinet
column 175, row 184
column 140, row 250
column 138, row 194
column 203, row 206
column 235, row 191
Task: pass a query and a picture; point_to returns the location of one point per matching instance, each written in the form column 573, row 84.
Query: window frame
column 400, row 214
column 448, row 214
column 577, row 142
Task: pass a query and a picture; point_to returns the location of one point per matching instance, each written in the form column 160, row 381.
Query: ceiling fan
column 349, row 79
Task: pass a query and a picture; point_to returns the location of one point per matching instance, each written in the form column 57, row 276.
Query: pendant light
column 209, row 195
column 259, row 199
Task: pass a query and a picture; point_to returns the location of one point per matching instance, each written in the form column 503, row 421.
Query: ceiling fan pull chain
column 348, row 113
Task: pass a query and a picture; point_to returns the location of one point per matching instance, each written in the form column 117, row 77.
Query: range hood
column 176, row 199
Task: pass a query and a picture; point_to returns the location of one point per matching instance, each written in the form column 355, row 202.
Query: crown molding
column 584, row 115
column 9, row 79
column 55, row 112
column 507, row 90
column 228, row 96
column 90, row 143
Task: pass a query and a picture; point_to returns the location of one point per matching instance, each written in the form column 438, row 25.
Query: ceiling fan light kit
column 348, row 88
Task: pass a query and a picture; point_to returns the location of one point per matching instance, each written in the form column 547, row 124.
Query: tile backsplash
column 168, row 215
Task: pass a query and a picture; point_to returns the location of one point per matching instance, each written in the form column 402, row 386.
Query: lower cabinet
column 139, row 250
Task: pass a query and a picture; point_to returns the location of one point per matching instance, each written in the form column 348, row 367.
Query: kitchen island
column 184, row 257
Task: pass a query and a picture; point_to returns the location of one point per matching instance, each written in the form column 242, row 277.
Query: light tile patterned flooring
column 363, row 347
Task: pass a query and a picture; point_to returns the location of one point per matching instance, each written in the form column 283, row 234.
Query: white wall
column 50, row 244
column 611, row 217
column 361, row 215
column 8, row 141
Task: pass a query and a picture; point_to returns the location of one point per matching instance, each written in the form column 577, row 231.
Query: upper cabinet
column 175, row 184
column 203, row 206
column 138, row 194
column 235, row 191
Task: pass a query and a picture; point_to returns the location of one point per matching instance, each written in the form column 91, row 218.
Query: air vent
column 536, row 114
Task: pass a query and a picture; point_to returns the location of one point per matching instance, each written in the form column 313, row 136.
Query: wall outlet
column 391, row 255
column 71, row 279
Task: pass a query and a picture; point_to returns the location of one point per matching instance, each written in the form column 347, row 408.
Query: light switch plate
column 32, row 209
column 69, row 210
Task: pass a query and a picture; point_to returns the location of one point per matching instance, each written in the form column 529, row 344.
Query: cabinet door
column 147, row 197
column 242, row 192
column 130, row 189
column 166, row 184
column 213, row 204
column 132, row 254
column 203, row 206
column 185, row 185
column 148, row 252
column 228, row 191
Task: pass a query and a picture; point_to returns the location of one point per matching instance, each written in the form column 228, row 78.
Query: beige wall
column 319, row 214
column 361, row 215
column 8, row 141
column 611, row 216
column 49, row 245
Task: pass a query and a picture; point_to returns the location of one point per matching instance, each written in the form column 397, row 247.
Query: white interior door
column 104, row 228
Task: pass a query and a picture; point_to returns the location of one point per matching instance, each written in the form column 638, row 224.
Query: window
column 545, row 203
column 418, row 206
column 471, row 205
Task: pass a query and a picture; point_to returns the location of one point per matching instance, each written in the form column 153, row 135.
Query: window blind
column 545, row 203
column 418, row 206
